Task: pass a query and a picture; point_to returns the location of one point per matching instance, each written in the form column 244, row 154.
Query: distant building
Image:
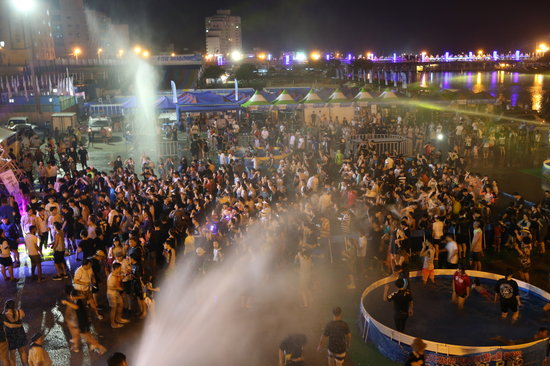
column 16, row 34
column 223, row 33
column 106, row 35
column 69, row 27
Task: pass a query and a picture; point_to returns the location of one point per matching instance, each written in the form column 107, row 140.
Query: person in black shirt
column 291, row 350
column 338, row 337
column 86, row 245
column 402, row 303
column 508, row 291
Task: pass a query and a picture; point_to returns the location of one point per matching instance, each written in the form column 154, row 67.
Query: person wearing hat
column 402, row 303
column 416, row 358
column 37, row 354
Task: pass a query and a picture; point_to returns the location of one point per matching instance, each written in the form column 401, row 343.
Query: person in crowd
column 428, row 254
column 15, row 333
column 4, row 352
column 114, row 291
column 84, row 281
column 6, row 262
column 117, row 359
column 461, row 287
column 337, row 338
column 33, row 250
column 38, row 356
column 416, row 357
column 291, row 350
column 305, row 264
column 507, row 290
column 402, row 303
column 58, row 246
column 476, row 247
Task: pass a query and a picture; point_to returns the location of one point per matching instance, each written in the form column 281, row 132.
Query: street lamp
column 25, row 7
column 76, row 52
column 99, row 51
column 120, row 53
column 236, row 56
column 137, row 50
column 146, row 54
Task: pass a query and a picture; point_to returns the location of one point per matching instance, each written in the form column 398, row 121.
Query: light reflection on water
column 525, row 89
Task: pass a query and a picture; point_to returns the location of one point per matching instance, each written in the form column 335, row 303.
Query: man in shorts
column 428, row 254
column 508, row 291
column 58, row 246
column 114, row 290
column 338, row 337
column 461, row 287
column 33, row 251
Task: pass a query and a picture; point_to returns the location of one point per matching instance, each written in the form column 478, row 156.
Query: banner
column 10, row 181
column 531, row 354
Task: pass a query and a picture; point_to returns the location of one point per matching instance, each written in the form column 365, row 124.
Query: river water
column 521, row 89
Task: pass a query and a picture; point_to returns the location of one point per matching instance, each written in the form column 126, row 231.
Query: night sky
column 347, row 25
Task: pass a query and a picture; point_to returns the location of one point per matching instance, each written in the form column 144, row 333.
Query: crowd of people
column 376, row 210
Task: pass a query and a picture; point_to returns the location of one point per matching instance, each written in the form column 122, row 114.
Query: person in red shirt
column 461, row 287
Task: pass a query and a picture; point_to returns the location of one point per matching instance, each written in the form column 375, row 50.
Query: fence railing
column 383, row 143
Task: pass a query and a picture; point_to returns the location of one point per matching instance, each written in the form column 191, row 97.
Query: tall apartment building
column 106, row 35
column 223, row 33
column 69, row 27
column 18, row 29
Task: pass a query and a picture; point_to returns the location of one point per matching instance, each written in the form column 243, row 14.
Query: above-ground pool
column 456, row 337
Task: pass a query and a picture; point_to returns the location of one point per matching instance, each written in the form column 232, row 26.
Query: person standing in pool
column 428, row 254
column 461, row 287
column 508, row 291
column 402, row 303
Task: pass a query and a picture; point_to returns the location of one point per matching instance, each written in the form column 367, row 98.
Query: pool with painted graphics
column 437, row 319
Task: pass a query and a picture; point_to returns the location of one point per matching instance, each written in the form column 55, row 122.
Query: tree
column 213, row 72
column 362, row 64
column 332, row 66
column 246, row 72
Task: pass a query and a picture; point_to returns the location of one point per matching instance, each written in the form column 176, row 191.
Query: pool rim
column 438, row 347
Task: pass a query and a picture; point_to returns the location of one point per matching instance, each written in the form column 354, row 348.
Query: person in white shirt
column 452, row 253
column 83, row 281
column 53, row 218
column 313, row 183
column 223, row 159
column 362, row 253
column 33, row 251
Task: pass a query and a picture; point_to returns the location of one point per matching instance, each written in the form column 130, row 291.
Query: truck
column 62, row 121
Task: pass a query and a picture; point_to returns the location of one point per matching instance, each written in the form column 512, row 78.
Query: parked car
column 16, row 121
column 96, row 124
